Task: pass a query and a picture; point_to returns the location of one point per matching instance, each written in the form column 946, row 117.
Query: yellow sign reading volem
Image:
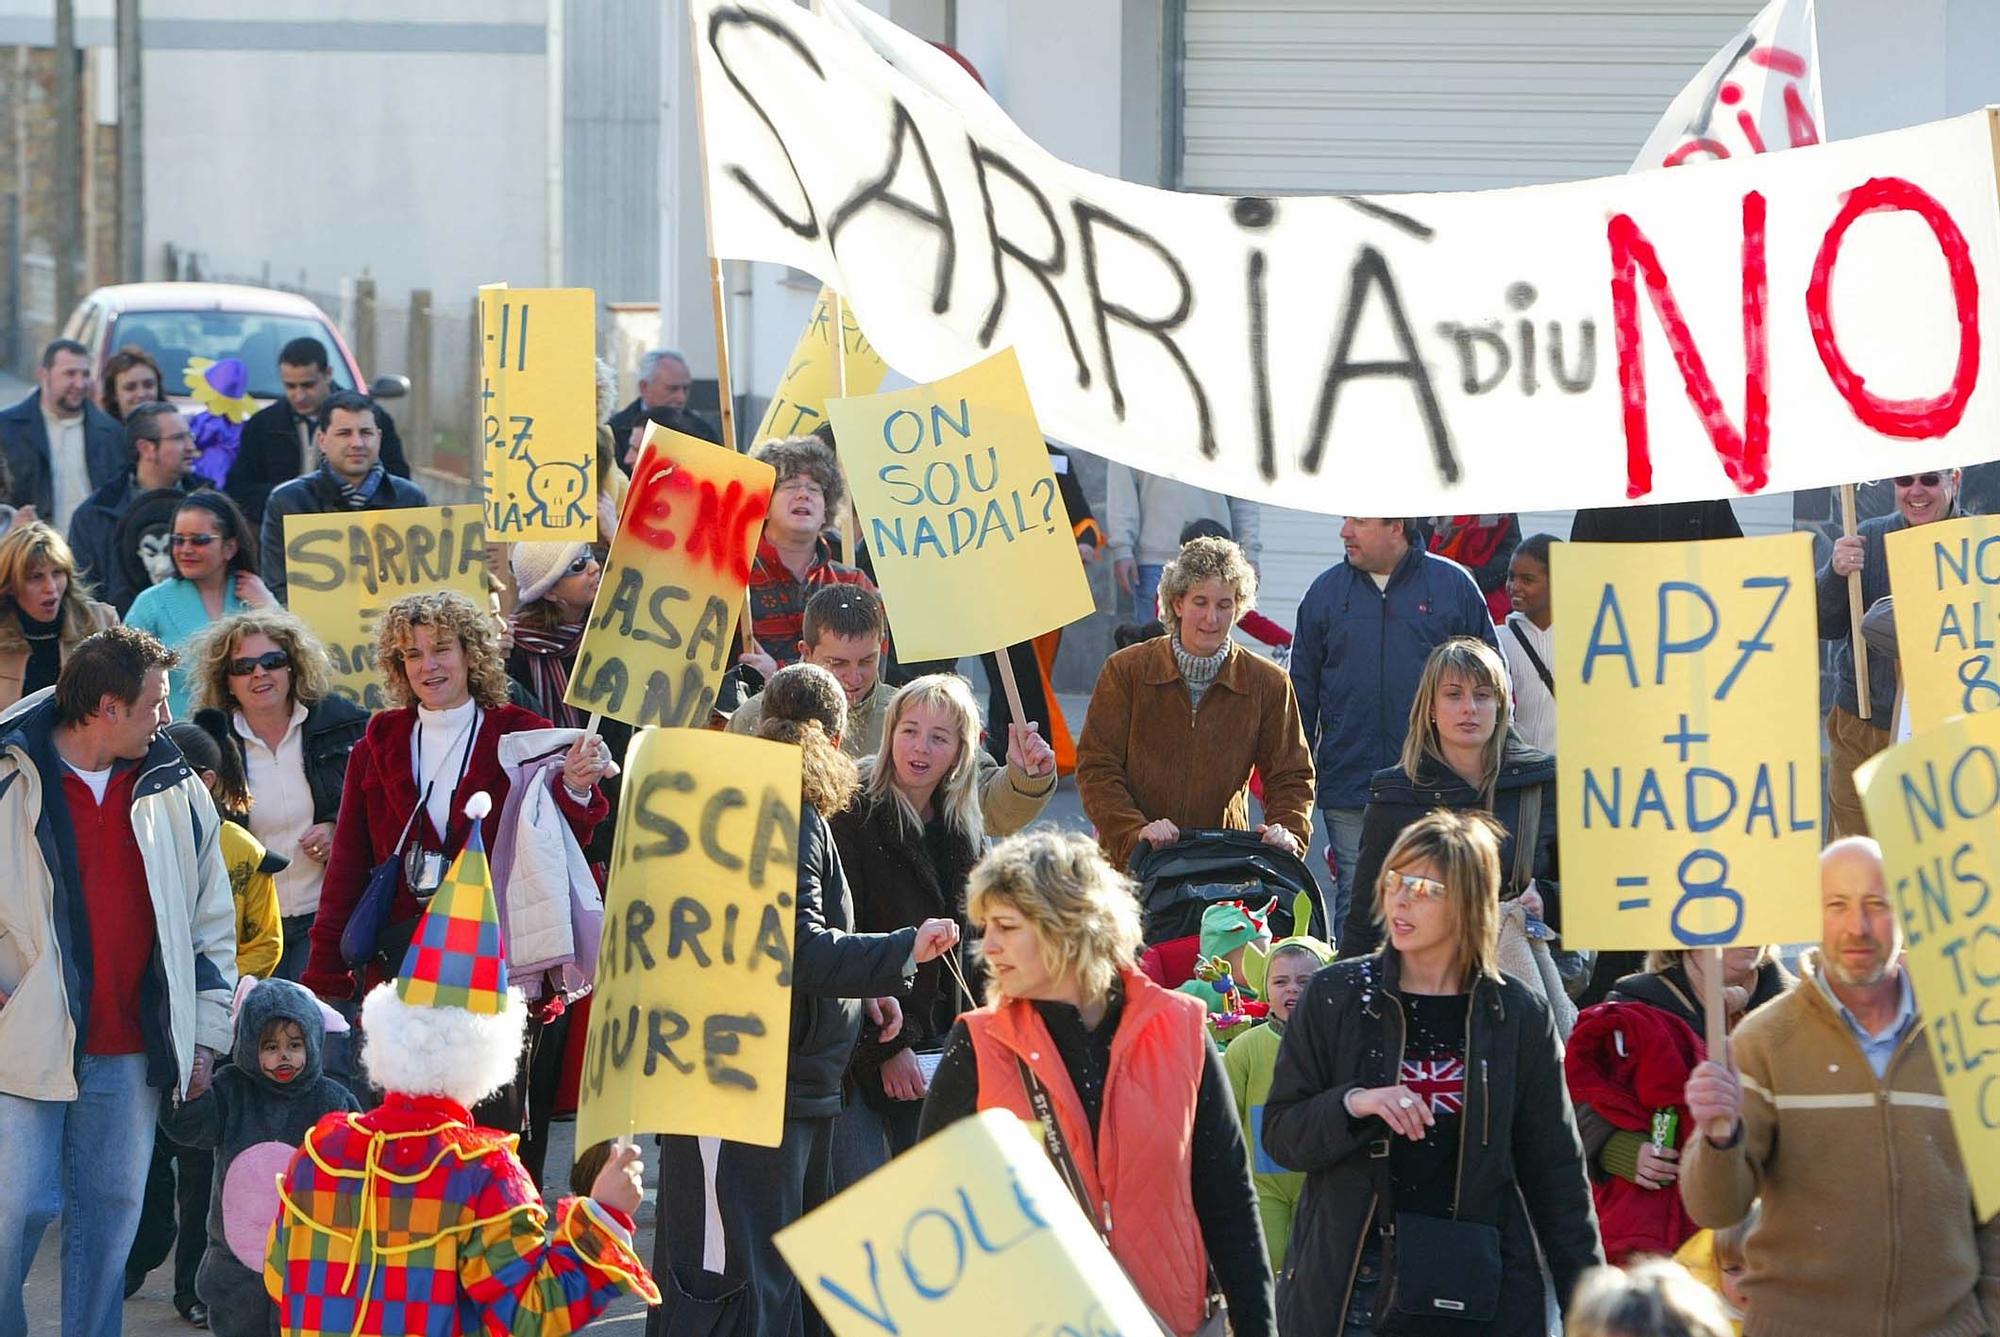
column 1946, row 576
column 953, row 484
column 810, row 378
column 344, row 568
column 970, row 1232
column 538, row 412
column 690, row 1025
column 1932, row 804
column 1688, row 780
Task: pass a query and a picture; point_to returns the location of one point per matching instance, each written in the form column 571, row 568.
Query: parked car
column 178, row 321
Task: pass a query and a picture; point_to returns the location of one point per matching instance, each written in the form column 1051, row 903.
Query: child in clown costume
column 409, row 1219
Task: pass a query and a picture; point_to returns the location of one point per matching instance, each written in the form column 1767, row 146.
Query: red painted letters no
column 1745, row 454
column 1911, row 418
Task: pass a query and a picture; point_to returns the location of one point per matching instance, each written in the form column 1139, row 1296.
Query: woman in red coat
column 407, row 783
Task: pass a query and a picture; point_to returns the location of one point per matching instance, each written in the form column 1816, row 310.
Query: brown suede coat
column 1146, row 753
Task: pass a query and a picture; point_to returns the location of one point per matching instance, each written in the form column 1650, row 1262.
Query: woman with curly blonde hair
column 410, row 776
column 1194, row 695
column 731, row 1198
column 45, row 610
column 1131, row 1092
column 268, row 672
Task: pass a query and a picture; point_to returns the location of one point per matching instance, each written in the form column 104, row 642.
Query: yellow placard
column 1932, row 804
column 809, row 380
column 691, row 1022
column 971, row 1232
column 538, row 412
column 960, row 508
column 658, row 638
column 1946, row 577
column 344, row 568
column 1688, row 776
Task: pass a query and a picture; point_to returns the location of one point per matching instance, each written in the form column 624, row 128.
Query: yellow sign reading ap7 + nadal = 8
column 538, row 412
column 1687, row 718
column 690, row 1026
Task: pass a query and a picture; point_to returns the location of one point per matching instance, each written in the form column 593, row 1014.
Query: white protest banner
column 1774, row 322
column 1759, row 94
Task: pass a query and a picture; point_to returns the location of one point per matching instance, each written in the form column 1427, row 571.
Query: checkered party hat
column 456, row 959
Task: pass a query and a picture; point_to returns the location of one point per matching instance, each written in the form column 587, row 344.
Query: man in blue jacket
column 1365, row 629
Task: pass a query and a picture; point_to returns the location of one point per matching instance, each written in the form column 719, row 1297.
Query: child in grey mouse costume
column 254, row 1116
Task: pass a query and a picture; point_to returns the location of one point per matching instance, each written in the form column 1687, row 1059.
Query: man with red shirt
column 117, row 961
column 794, row 558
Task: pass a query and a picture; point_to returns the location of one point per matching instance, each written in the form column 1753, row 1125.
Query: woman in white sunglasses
column 1421, row 1091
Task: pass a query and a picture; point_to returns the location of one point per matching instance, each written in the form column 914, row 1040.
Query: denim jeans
column 298, row 946
column 1343, row 833
column 1146, row 594
column 85, row 1159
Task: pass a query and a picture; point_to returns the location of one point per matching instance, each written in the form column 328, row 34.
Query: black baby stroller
column 1178, row 882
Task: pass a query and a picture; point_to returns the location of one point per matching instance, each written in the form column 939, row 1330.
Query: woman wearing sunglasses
column 215, row 576
column 270, row 674
column 1421, row 1091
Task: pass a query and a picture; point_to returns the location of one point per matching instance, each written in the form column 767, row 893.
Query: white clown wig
column 440, row 1051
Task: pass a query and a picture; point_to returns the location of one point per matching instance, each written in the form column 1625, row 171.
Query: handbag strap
column 1541, row 669
column 1056, row 1144
column 1527, row 834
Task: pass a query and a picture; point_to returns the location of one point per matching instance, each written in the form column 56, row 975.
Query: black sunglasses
column 193, row 540
column 1928, row 480
column 271, row 661
column 581, row 564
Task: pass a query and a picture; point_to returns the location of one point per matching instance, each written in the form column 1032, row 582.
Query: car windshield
column 172, row 337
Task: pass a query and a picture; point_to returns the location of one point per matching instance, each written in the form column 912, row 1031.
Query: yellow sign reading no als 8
column 1947, row 582
column 1687, row 706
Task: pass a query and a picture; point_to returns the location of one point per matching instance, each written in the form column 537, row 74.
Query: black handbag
column 1445, row 1268
column 1440, row 1267
column 361, row 939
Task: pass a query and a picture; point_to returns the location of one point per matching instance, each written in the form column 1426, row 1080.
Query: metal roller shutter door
column 1290, row 96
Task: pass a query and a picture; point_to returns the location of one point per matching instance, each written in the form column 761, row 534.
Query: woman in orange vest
column 1121, row 1074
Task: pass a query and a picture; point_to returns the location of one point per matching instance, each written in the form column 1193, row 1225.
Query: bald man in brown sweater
column 1840, row 1126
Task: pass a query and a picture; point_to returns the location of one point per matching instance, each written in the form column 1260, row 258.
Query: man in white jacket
column 117, row 961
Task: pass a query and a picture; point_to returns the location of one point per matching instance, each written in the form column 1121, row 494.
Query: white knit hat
column 539, row 567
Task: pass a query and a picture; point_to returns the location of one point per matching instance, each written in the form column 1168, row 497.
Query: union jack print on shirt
column 1438, row 1080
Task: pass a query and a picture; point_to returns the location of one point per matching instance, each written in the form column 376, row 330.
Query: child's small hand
column 622, row 1181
